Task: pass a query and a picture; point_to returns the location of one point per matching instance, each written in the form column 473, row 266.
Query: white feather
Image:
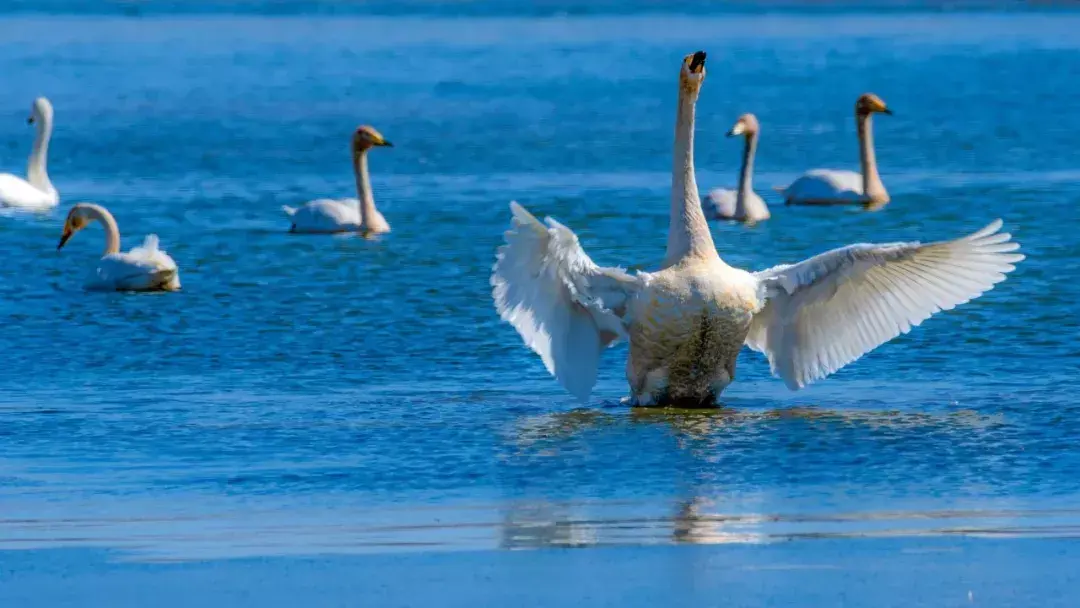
column 825, row 184
column 565, row 307
column 325, row 215
column 145, row 268
column 831, row 309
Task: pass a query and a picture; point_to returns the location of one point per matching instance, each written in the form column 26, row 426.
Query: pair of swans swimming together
column 816, row 187
column 148, row 268
column 687, row 322
column 145, row 268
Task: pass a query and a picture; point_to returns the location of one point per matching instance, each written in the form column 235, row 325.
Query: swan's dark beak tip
column 730, row 134
column 698, row 61
column 887, row 111
column 30, row 120
column 63, row 241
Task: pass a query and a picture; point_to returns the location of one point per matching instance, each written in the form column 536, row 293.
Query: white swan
column 741, row 204
column 145, row 268
column 687, row 322
column 36, row 192
column 830, row 187
column 349, row 214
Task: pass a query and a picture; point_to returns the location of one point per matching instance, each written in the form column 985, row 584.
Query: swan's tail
column 289, row 211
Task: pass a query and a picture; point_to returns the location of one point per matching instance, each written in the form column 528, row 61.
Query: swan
column 145, row 268
column 830, row 187
column 36, row 192
column 742, row 204
column 349, row 214
column 686, row 323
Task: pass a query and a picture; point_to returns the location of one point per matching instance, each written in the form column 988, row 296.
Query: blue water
column 311, row 395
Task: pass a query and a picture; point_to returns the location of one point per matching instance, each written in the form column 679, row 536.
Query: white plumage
column 325, row 216
column 145, row 268
column 827, row 311
column 826, row 185
column 35, row 192
column 687, row 321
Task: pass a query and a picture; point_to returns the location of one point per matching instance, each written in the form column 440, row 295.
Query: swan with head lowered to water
column 741, row 204
column 687, row 322
column 832, row 187
column 350, row 214
column 36, row 192
column 145, row 268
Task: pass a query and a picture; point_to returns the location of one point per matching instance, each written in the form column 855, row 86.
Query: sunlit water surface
column 335, row 395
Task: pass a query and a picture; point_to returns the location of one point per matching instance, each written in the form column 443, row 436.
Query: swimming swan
column 145, row 268
column 36, row 192
column 741, row 204
column 349, row 214
column 830, row 187
column 687, row 322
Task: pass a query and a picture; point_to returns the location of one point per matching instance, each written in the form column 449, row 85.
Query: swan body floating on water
column 687, row 322
column 741, row 204
column 350, row 214
column 36, row 192
column 145, row 268
column 831, row 187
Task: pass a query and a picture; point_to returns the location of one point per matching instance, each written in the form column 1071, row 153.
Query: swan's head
column 366, row 137
column 77, row 219
column 692, row 73
column 746, row 125
column 41, row 111
column 869, row 104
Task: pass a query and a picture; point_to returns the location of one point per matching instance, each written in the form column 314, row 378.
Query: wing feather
column 565, row 307
column 831, row 309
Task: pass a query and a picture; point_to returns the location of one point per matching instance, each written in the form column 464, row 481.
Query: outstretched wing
column 831, row 309
column 564, row 306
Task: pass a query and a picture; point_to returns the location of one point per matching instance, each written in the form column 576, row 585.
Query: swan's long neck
column 871, row 180
column 746, row 176
column 363, row 188
column 36, row 173
column 112, row 231
column 688, row 232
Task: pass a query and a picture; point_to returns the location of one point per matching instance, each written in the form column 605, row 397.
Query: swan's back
column 826, row 185
column 17, row 192
column 326, row 215
column 144, row 268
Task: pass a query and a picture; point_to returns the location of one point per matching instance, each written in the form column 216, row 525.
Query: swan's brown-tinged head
column 77, row 219
column 692, row 73
column 869, row 103
column 746, row 125
column 367, row 137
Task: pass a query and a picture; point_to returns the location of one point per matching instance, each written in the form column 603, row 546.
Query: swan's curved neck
column 871, row 180
column 746, row 176
column 363, row 188
column 688, row 232
column 112, row 231
column 36, row 173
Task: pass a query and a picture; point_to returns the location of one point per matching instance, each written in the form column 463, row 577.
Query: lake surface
column 330, row 395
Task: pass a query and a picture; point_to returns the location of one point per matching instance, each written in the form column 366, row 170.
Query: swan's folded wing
column 831, row 309
column 564, row 306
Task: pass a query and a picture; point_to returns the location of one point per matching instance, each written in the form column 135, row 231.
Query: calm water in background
column 334, row 395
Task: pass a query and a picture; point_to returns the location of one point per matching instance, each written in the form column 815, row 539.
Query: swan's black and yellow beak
column 697, row 62
column 385, row 143
column 886, row 111
column 64, row 238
